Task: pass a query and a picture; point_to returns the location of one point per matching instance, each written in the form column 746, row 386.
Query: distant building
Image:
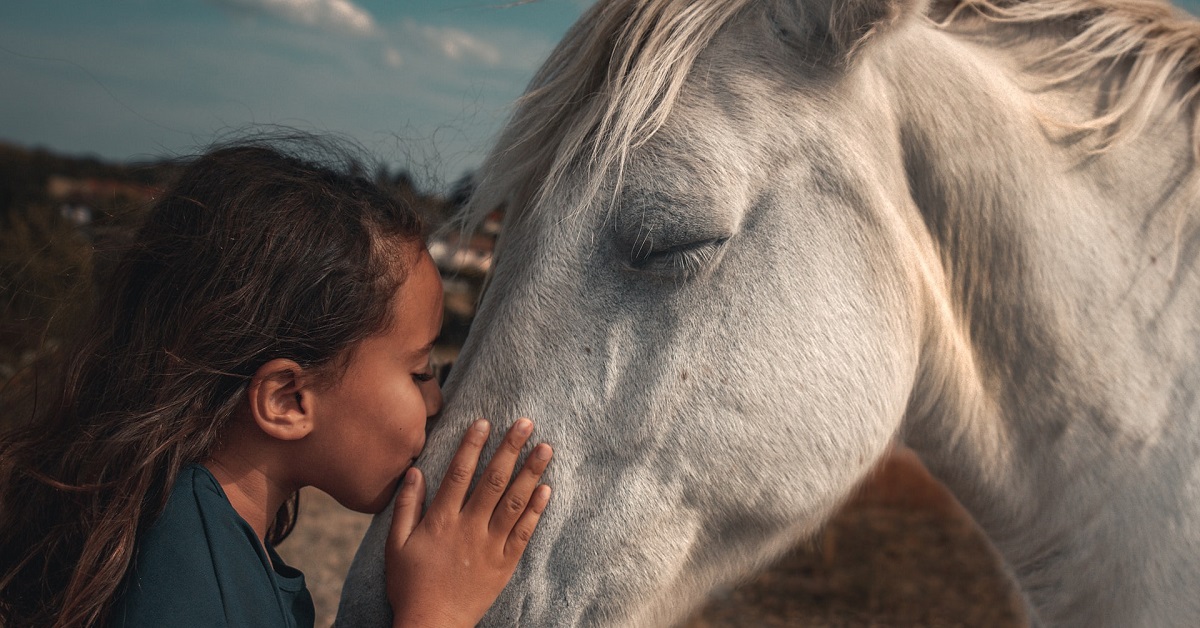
column 77, row 215
column 91, row 191
column 84, row 200
column 470, row 256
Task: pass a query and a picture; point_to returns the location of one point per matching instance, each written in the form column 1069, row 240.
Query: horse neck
column 1056, row 397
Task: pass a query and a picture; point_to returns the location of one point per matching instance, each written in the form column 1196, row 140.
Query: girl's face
column 369, row 427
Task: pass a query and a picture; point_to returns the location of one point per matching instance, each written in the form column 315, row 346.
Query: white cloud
column 342, row 16
column 392, row 57
column 456, row 44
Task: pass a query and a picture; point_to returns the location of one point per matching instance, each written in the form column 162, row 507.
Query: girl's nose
column 432, row 392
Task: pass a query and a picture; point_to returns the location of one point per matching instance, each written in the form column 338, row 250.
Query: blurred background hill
column 64, row 221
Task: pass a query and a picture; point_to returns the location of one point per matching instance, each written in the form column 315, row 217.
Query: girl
column 269, row 329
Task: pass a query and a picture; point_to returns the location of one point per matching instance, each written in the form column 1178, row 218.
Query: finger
column 407, row 513
column 453, row 492
column 499, row 470
column 518, row 540
column 517, row 498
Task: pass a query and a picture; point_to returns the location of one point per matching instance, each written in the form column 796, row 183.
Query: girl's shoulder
column 200, row 563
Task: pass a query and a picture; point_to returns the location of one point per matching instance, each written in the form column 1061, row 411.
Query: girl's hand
column 447, row 569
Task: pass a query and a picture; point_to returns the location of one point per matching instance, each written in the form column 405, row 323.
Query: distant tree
column 22, row 181
column 46, row 285
column 434, row 209
column 403, row 181
column 462, row 190
column 49, row 267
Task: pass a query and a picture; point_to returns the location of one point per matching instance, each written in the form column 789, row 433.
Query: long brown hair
column 252, row 255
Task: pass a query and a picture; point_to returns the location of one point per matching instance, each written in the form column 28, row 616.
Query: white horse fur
column 751, row 244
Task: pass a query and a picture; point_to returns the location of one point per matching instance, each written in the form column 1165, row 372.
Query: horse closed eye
column 682, row 261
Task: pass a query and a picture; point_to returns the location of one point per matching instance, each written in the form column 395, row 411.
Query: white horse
column 751, row 244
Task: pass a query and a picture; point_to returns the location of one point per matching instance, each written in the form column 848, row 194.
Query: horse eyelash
column 690, row 262
column 684, row 262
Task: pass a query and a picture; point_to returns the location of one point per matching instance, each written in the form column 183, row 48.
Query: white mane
column 1157, row 42
column 613, row 80
column 606, row 88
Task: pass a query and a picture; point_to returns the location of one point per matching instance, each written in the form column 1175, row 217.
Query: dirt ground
column 901, row 554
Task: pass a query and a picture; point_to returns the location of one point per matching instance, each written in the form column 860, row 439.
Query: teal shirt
column 200, row 564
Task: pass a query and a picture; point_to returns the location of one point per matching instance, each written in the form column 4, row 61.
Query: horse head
column 748, row 245
column 702, row 302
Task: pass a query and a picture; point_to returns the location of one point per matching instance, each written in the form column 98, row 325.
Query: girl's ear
column 280, row 400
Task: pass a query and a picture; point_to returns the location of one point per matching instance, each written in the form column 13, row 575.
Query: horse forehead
column 706, row 148
column 739, row 119
column 710, row 155
column 734, row 116
column 693, row 181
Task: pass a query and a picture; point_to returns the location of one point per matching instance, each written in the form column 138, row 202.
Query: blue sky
column 422, row 83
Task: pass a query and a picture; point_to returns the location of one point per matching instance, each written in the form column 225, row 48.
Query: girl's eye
column 423, row 377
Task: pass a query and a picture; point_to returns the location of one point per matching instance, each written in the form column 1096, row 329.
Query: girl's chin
column 375, row 504
column 382, row 499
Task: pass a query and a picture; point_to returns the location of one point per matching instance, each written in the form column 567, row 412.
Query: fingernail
column 543, row 452
column 410, row 476
column 480, row 425
column 523, row 427
column 545, row 489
